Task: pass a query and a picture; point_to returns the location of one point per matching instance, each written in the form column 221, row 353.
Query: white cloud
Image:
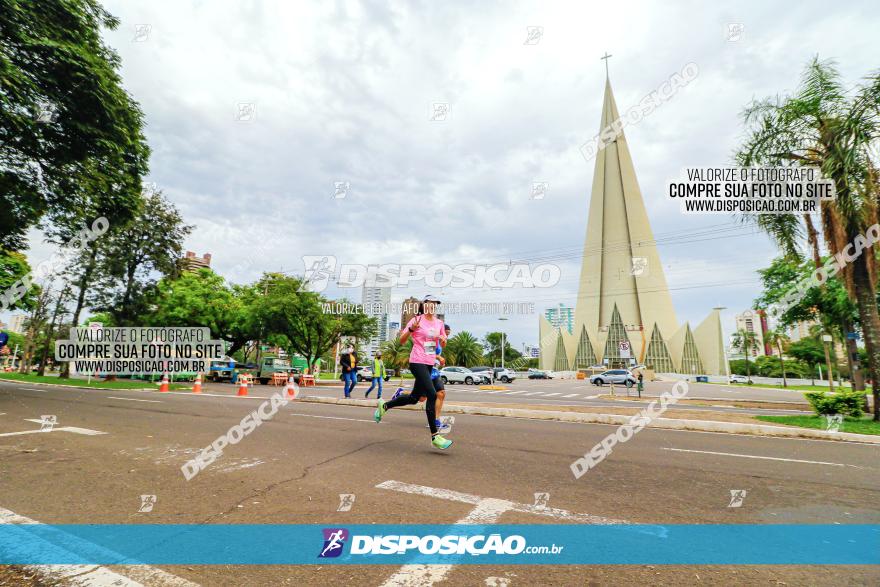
column 343, row 92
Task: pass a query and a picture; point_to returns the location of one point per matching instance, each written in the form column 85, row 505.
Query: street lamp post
column 502, row 345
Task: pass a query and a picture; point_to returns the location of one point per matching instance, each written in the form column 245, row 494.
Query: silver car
column 617, row 376
column 463, row 375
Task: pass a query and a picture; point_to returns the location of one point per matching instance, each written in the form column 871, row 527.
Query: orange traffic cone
column 163, row 387
column 197, row 385
column 292, row 388
column 242, row 387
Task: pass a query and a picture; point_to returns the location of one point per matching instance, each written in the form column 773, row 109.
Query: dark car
column 538, row 374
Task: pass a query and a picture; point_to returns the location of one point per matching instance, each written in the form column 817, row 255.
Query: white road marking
column 487, row 510
column 572, row 395
column 334, row 418
column 552, row 394
column 74, row 429
column 534, row 393
column 730, row 454
column 134, row 399
column 514, row 392
column 93, row 575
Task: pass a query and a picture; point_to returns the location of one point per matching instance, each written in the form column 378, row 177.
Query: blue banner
column 534, row 544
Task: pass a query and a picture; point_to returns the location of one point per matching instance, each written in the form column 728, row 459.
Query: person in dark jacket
column 348, row 362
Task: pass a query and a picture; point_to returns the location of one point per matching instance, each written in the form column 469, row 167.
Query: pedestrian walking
column 378, row 375
column 348, row 362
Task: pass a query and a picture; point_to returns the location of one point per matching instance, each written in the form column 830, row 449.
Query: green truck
column 271, row 365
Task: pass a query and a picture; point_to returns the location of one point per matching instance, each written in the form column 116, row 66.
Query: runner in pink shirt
column 427, row 332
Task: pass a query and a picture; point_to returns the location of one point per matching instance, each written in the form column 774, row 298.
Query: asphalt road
column 545, row 393
column 580, row 389
column 293, row 469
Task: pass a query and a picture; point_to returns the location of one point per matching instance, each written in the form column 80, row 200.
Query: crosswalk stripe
column 572, row 395
column 550, row 394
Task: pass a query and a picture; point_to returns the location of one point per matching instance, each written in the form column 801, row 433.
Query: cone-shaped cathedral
column 622, row 294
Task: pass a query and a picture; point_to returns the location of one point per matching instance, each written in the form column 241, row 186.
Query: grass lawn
column 863, row 425
column 118, row 384
column 790, row 386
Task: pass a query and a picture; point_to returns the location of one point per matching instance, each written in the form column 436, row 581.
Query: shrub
column 848, row 403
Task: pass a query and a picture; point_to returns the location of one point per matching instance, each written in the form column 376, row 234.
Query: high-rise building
column 189, row 262
column 560, row 316
column 16, row 323
column 624, row 312
column 375, row 298
column 756, row 322
column 409, row 309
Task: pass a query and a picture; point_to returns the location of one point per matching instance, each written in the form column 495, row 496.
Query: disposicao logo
column 334, row 541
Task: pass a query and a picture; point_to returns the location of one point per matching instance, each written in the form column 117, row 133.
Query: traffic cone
column 197, row 385
column 163, row 387
column 292, row 388
column 242, row 388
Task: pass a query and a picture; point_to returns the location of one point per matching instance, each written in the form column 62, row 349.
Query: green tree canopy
column 14, row 266
column 463, row 349
column 70, row 136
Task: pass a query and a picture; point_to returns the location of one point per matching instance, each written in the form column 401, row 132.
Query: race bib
column 430, row 347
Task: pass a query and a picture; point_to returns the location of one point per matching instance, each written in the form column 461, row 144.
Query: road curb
column 79, row 386
column 617, row 420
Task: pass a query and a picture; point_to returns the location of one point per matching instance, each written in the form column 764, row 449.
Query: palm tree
column 745, row 341
column 822, row 126
column 396, row 354
column 777, row 338
column 463, row 349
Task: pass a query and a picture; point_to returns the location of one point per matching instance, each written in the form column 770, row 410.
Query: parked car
column 366, row 374
column 501, row 373
column 538, row 374
column 463, row 375
column 618, row 376
column 739, row 379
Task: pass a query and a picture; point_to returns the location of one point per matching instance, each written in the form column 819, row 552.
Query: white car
column 463, row 375
column 619, row 376
column 739, row 379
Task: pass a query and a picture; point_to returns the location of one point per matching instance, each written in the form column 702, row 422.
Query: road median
column 585, row 417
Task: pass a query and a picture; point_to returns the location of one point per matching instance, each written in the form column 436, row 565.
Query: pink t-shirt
column 425, row 340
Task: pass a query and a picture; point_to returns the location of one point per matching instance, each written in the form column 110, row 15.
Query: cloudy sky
column 344, row 91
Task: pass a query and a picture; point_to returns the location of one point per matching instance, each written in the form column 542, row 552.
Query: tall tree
column 68, row 130
column 203, row 298
column 132, row 257
column 287, row 308
column 493, row 348
column 745, row 341
column 463, row 349
column 396, row 354
column 61, row 297
column 13, row 267
column 809, row 350
column 826, row 126
column 777, row 339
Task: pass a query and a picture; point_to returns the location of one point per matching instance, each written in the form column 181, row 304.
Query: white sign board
column 623, row 347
